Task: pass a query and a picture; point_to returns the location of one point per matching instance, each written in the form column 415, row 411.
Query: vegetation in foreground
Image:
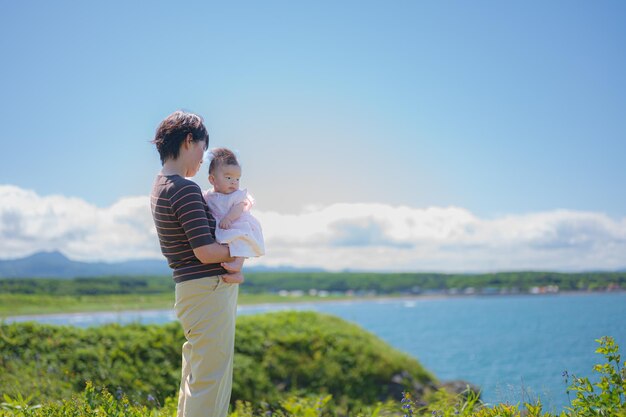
column 603, row 398
column 277, row 355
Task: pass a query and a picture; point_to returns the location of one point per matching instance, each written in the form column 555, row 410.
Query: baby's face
column 225, row 179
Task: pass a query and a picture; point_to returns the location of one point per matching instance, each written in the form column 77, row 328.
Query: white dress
column 245, row 236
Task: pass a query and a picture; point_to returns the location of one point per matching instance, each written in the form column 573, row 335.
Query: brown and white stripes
column 183, row 222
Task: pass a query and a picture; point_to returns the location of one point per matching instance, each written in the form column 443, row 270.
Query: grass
column 29, row 304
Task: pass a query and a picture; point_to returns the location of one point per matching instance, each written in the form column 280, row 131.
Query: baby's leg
column 234, row 266
column 233, row 278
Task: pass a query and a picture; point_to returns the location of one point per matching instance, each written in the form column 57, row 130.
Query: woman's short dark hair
column 174, row 129
column 222, row 156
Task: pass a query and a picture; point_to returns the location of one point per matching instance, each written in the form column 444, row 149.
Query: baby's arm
column 233, row 214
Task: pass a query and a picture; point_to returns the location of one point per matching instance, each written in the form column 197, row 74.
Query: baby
column 231, row 208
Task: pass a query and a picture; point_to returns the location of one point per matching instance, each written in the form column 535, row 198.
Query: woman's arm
column 213, row 253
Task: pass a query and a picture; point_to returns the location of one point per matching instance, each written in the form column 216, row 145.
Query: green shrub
column 277, row 353
column 318, row 353
column 607, row 396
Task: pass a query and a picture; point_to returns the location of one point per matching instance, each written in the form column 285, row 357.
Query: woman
column 206, row 298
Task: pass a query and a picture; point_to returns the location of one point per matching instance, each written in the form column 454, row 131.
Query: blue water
column 515, row 348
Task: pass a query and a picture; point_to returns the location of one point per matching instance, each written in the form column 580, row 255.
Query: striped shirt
column 183, row 222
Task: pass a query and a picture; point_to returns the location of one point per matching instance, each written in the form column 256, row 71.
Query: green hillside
column 303, row 353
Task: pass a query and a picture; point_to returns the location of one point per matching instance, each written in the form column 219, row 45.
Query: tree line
column 381, row 283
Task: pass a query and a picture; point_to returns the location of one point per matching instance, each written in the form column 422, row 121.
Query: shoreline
column 294, row 301
column 426, row 297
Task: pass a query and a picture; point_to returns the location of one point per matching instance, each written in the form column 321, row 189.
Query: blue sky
column 498, row 108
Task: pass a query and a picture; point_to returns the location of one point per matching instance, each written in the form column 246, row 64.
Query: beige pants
column 206, row 308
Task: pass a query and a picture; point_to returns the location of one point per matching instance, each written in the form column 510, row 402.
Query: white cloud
column 378, row 236
column 339, row 236
column 31, row 223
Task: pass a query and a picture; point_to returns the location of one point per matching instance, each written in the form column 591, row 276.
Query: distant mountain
column 56, row 265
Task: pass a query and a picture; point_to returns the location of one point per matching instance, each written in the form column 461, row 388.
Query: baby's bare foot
column 234, row 266
column 234, row 278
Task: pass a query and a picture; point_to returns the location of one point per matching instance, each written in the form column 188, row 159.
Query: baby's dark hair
column 222, row 156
